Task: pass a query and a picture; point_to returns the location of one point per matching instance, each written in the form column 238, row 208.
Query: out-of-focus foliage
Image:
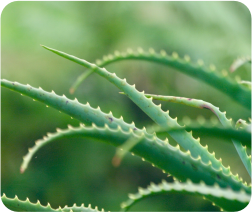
column 216, row 32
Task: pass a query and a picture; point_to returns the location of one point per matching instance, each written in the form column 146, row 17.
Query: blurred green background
column 80, row 171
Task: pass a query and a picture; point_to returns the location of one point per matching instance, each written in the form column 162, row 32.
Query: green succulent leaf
column 16, row 204
column 162, row 155
column 209, row 75
column 155, row 112
column 217, row 183
column 82, row 112
column 226, row 199
column 154, row 150
column 227, row 123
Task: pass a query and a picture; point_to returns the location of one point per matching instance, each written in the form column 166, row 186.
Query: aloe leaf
column 216, row 131
column 209, row 75
column 161, row 154
column 226, row 199
column 82, row 112
column 246, row 160
column 16, row 204
column 155, row 156
column 239, row 62
column 155, row 151
column 155, row 112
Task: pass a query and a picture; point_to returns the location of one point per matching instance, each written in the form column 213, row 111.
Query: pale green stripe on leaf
column 162, row 155
column 155, row 112
column 226, row 199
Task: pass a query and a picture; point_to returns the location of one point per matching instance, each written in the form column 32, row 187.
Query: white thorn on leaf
column 117, row 54
column 110, row 57
column 201, row 119
column 69, row 126
column 163, row 53
column 224, row 72
column 140, row 50
column 175, row 55
column 212, row 67
column 129, row 51
column 152, row 51
column 98, row 62
column 187, row 58
column 200, row 62
column 105, row 58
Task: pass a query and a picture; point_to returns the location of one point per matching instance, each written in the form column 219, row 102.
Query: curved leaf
column 221, row 82
column 164, row 156
column 16, row 204
column 155, row 112
column 226, row 199
column 82, row 112
column 221, row 116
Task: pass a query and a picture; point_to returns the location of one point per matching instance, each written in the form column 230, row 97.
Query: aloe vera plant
column 195, row 170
